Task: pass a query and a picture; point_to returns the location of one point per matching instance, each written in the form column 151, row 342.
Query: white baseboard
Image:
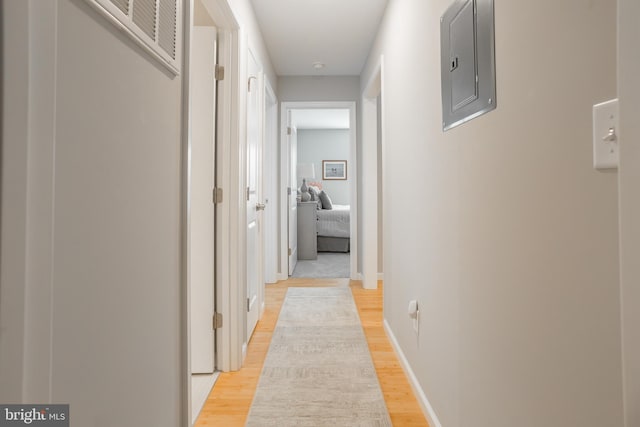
column 201, row 385
column 427, row 409
column 359, row 276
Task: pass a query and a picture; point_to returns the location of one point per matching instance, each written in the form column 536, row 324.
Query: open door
column 254, row 194
column 201, row 208
column 293, row 195
column 271, row 172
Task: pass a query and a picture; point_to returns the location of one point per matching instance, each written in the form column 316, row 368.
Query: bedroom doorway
column 320, row 184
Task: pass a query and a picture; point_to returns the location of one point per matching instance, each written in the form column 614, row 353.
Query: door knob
column 260, row 206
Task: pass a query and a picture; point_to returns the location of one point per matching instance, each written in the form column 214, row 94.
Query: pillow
column 326, row 201
column 314, row 192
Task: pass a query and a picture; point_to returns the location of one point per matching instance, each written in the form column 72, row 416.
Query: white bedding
column 334, row 222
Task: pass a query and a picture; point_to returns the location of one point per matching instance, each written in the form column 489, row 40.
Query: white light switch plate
column 606, row 135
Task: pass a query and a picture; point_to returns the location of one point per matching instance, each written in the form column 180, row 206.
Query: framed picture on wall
column 334, row 169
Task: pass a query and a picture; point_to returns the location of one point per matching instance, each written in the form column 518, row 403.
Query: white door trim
column 271, row 183
column 373, row 88
column 229, row 274
column 353, row 171
column 292, row 197
column 283, row 198
column 230, row 177
column 28, row 127
column 229, row 336
column 185, row 291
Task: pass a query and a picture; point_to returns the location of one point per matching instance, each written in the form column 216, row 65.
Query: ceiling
column 320, row 119
column 337, row 33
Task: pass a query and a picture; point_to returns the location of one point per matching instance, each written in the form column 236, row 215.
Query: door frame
column 24, row 192
column 228, row 133
column 271, row 193
column 370, row 238
column 285, row 107
column 291, row 217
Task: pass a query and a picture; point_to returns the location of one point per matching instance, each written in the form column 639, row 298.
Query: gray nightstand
column 307, row 230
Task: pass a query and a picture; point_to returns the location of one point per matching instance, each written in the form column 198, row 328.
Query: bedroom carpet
column 318, row 370
column 328, row 265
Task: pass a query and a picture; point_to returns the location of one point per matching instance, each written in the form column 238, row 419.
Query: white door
column 254, row 194
column 201, row 209
column 293, row 196
column 271, row 173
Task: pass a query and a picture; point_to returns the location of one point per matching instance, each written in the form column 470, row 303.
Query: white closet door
column 201, row 208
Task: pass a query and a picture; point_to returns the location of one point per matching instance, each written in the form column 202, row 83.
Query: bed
column 333, row 225
column 334, row 229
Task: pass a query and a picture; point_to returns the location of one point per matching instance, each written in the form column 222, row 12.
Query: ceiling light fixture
column 318, row 65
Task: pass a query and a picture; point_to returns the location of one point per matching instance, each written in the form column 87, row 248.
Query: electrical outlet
column 414, row 313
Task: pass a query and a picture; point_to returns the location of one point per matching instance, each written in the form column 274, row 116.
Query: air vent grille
column 167, row 33
column 144, row 16
column 123, row 5
column 155, row 25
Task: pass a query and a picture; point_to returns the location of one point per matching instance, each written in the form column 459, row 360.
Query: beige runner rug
column 318, row 370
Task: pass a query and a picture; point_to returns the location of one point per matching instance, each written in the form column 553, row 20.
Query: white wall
column 15, row 84
column 103, row 289
column 246, row 18
column 316, row 145
column 629, row 94
column 318, row 88
column 501, row 228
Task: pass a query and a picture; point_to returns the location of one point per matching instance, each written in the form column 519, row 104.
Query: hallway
column 230, row 400
column 520, row 250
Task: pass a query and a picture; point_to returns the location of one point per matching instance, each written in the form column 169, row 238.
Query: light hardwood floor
column 229, row 402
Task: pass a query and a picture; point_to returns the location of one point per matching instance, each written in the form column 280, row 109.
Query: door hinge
column 289, row 251
column 217, row 320
column 249, row 82
column 217, row 195
column 248, row 304
column 289, row 130
column 248, row 193
column 219, row 72
column 288, row 191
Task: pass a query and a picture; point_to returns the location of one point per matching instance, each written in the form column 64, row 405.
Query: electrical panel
column 467, row 61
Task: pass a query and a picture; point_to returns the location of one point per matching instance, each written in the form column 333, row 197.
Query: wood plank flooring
column 229, row 402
